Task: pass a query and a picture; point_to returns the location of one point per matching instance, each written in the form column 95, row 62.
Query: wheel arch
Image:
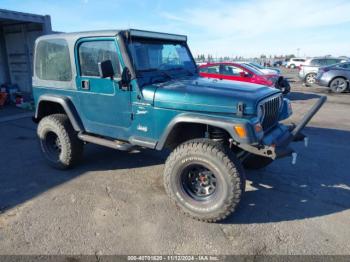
column 52, row 104
column 343, row 77
column 177, row 131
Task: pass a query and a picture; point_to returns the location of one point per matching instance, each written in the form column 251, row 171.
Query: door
column 105, row 108
column 236, row 73
column 210, row 71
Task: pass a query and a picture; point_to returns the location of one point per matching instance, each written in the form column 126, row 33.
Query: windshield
column 342, row 65
column 253, row 69
column 159, row 55
column 256, row 65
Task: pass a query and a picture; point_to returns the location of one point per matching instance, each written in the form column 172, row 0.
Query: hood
column 270, row 71
column 272, row 78
column 207, row 95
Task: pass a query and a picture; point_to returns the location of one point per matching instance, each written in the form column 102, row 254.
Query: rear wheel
column 338, row 85
column 59, row 142
column 203, row 181
column 310, row 78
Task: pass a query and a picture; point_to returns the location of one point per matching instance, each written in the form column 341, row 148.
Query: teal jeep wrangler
column 134, row 89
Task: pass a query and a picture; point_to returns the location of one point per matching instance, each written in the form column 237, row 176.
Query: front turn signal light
column 240, row 130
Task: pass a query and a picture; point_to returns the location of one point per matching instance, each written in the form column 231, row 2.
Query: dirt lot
column 115, row 203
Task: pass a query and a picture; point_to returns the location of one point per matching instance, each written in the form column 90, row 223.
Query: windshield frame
column 160, row 41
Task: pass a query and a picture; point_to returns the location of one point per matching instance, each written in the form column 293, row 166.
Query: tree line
column 211, row 58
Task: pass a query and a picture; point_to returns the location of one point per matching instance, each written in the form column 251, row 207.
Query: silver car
column 335, row 77
column 308, row 71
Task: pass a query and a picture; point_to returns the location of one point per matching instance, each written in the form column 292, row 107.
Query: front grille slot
column 271, row 109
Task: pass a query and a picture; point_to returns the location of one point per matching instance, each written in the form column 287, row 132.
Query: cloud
column 258, row 17
column 173, row 17
column 223, row 22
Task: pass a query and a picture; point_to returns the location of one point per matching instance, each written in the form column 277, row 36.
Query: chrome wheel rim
column 311, row 78
column 339, row 85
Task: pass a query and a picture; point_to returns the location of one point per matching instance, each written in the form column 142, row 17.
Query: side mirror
column 126, row 79
column 106, row 69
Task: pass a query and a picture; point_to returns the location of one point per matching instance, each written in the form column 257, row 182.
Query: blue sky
column 244, row 28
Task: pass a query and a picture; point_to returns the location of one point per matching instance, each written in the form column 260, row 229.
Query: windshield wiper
column 152, row 79
column 156, row 70
column 189, row 72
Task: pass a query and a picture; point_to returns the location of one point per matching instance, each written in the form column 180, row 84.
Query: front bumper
column 276, row 143
column 322, row 82
column 301, row 75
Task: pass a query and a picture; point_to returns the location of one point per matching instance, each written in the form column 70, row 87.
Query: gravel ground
column 115, row 203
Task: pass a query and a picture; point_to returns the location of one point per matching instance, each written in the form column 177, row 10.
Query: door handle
column 85, row 84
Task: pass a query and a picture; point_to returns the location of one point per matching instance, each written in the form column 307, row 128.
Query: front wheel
column 203, row 181
column 338, row 85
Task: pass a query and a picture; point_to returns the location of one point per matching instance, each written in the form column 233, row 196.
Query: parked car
column 243, row 72
column 278, row 63
column 308, row 71
column 134, row 89
column 335, row 77
column 265, row 70
column 295, row 62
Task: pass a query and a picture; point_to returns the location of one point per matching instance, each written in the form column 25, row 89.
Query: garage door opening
column 18, row 32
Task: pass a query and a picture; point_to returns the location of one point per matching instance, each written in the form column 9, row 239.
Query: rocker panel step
column 115, row 144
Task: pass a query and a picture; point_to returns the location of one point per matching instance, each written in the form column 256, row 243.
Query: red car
column 243, row 73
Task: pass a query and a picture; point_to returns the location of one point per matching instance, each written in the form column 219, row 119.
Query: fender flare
column 223, row 123
column 67, row 106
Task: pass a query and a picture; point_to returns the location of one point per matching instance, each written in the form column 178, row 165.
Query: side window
column 231, row 70
column 52, row 60
column 332, row 61
column 213, row 70
column 203, row 69
column 93, row 52
column 315, row 62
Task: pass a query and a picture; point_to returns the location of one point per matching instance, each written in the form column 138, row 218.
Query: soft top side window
column 52, row 60
column 93, row 52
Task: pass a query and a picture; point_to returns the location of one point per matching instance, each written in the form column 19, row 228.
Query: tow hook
column 294, row 158
column 306, row 141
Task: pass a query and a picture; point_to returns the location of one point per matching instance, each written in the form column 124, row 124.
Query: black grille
column 271, row 108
